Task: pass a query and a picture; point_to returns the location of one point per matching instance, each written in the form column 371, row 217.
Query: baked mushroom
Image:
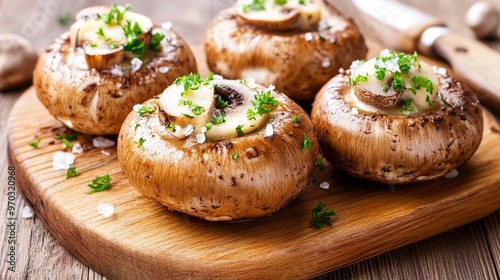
column 219, row 149
column 90, row 77
column 295, row 45
column 395, row 119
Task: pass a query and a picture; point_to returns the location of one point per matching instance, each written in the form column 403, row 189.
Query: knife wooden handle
column 475, row 64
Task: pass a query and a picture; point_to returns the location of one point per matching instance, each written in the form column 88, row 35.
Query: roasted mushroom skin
column 206, row 180
column 297, row 62
column 97, row 102
column 398, row 149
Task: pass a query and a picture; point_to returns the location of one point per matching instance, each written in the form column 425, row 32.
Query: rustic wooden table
column 469, row 252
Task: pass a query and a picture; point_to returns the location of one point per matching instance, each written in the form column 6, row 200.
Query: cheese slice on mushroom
column 281, row 15
column 395, row 81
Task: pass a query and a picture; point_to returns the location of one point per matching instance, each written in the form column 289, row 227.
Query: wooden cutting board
column 144, row 240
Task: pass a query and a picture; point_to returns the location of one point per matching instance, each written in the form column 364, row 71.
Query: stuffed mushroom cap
column 296, row 47
column 222, row 150
column 397, row 120
column 90, row 77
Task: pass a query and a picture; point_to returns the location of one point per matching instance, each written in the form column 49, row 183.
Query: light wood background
column 468, row 252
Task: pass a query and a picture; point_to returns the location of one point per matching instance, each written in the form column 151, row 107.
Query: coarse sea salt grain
column 167, row 25
column 137, row 107
column 451, row 174
column 325, row 63
column 269, row 130
column 101, row 142
column 250, row 82
column 105, row 209
column 62, row 160
column 200, row 138
column 270, row 88
column 354, row 111
column 77, row 148
column 324, row 185
column 116, row 70
column 26, row 213
column 188, row 130
column 104, row 152
column 163, row 69
column 136, row 64
column 217, row 77
column 308, row 36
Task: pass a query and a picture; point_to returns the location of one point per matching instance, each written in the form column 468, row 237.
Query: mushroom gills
column 280, row 17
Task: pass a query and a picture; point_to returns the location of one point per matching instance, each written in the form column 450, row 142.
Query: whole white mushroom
column 483, row 18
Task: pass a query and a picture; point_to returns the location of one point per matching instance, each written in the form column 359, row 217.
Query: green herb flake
column 145, row 109
column 100, row 183
column 319, row 163
column 66, row 143
column 195, row 108
column 234, row 156
column 140, row 142
column 296, row 119
column 256, row 5
column 263, row 103
column 322, row 216
column 220, row 103
column 155, row 41
column 385, row 88
column 192, row 82
column 406, row 107
column 280, row 2
column 64, row 19
column 419, row 82
column 218, row 118
column 302, row 2
column 357, row 79
column 35, row 143
column 306, row 143
column 115, row 15
column 72, row 172
column 136, row 126
column 239, row 130
column 93, row 44
column 133, row 43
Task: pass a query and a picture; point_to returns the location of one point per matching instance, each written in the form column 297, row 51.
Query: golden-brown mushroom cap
column 297, row 62
column 97, row 101
column 397, row 149
column 220, row 180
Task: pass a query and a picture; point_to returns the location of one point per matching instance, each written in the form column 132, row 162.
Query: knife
column 406, row 29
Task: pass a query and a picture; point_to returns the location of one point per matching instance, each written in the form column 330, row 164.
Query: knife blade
column 406, row 29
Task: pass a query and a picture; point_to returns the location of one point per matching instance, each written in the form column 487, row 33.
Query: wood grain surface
column 372, row 218
column 467, row 252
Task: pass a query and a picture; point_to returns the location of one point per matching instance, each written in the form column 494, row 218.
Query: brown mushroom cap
column 397, row 149
column 298, row 63
column 204, row 180
column 97, row 102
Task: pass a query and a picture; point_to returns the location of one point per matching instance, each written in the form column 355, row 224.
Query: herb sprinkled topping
column 100, row 183
column 263, row 103
column 322, row 216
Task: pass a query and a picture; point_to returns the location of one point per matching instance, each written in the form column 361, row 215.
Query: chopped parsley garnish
column 302, row 2
column 263, row 103
column 319, row 163
column 234, row 156
column 419, row 82
column 195, row 108
column 357, row 79
column 218, row 118
column 280, row 2
column 155, row 41
column 93, row 44
column 407, row 108
column 133, row 43
column 100, row 183
column 64, row 19
column 188, row 116
column 35, row 143
column 100, row 32
column 145, row 109
column 322, row 216
column 220, row 103
column 296, row 119
column 140, row 142
column 385, row 88
column 208, row 126
column 72, row 172
column 66, row 143
column 239, row 130
column 170, row 126
column 256, row 5
column 306, row 143
column 115, row 15
column 136, row 126
column 114, row 46
column 192, row 82
column 69, row 137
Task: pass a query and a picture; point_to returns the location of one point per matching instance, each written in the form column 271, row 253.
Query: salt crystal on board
column 26, row 213
column 105, row 209
column 62, row 160
column 102, row 142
